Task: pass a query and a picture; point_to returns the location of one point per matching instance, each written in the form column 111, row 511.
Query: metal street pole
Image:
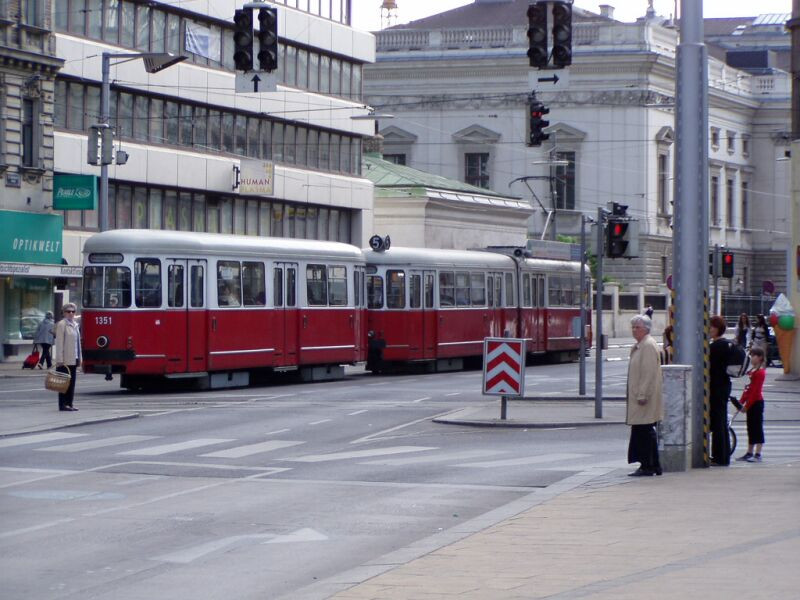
column 584, row 295
column 598, row 365
column 102, row 209
column 690, row 240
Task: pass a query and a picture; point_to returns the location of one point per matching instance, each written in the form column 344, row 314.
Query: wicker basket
column 56, row 381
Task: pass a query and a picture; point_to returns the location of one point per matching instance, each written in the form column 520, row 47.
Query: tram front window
column 106, row 287
column 147, row 279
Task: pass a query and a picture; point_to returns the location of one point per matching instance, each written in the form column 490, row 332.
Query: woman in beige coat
column 68, row 352
column 645, row 405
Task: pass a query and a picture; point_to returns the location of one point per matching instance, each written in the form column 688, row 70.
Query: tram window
column 554, row 291
column 477, row 284
column 316, row 285
column 535, row 291
column 197, row 286
column 358, row 278
column 337, row 285
column 395, row 289
column 447, row 289
column 541, row 292
column 490, row 289
column 511, row 296
column 277, row 286
column 462, row 289
column 498, row 289
column 147, row 279
column 374, row 291
column 291, row 286
column 428, row 290
column 175, row 286
column 567, row 297
column 526, row 289
column 415, row 291
column 93, row 287
column 254, row 285
column 229, row 287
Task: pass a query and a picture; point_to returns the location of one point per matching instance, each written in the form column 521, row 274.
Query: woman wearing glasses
column 68, row 352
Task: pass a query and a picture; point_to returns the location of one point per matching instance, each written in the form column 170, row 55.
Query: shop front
column 34, row 278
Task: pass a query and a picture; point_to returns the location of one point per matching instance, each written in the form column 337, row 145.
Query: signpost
column 256, row 82
column 503, row 369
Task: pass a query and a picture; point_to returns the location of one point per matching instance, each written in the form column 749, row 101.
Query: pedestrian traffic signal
column 537, row 35
column 727, row 265
column 243, row 39
column 536, row 124
column 268, row 38
column 100, row 149
column 562, row 34
column 623, row 238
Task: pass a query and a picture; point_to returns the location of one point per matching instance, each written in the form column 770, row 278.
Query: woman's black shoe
column 640, row 472
column 659, row 471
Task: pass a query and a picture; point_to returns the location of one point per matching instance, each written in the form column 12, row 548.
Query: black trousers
column 720, row 442
column 46, row 355
column 755, row 424
column 643, row 446
column 65, row 399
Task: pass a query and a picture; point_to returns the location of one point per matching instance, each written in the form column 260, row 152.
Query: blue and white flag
column 202, row 41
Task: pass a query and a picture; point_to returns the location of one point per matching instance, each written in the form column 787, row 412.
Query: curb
column 35, row 429
column 509, row 423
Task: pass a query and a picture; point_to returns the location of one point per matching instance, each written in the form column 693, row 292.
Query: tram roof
column 145, row 242
column 438, row 258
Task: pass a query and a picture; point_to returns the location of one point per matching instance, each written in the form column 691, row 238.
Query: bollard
column 674, row 432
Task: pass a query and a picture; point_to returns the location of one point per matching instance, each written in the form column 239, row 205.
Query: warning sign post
column 504, row 369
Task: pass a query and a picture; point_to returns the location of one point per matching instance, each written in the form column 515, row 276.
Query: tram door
column 287, row 313
column 422, row 338
column 185, row 339
column 359, row 317
column 539, row 329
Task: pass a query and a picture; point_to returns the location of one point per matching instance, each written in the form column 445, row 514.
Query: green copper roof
column 386, row 174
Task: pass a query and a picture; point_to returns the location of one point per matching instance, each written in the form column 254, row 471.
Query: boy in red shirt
column 753, row 404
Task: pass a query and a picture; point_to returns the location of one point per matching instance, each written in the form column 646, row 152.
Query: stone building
column 458, row 84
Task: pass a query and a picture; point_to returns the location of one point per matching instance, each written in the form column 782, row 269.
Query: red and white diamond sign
column 503, row 367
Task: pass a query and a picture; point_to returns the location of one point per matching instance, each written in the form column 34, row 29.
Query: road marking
column 301, row 535
column 371, row 436
column 313, row 458
column 277, row 431
column 112, row 441
column 357, row 412
column 523, row 460
column 177, row 447
column 321, row 421
column 411, row 460
column 611, row 464
column 453, row 394
column 420, row 399
column 251, row 449
column 36, row 439
column 140, row 480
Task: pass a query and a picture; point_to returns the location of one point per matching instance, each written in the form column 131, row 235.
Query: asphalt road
column 268, row 492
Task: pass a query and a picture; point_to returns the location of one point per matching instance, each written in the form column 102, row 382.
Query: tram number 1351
column 102, row 320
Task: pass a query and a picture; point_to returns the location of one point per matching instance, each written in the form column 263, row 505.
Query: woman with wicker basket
column 68, row 352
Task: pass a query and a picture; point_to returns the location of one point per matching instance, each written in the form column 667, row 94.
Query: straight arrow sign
column 255, row 81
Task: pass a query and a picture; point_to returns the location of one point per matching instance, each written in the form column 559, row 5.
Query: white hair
column 642, row 320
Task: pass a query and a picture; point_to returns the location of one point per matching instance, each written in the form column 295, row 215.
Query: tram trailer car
column 215, row 307
column 435, row 307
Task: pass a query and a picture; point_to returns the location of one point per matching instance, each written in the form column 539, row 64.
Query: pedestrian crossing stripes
column 94, row 444
column 35, row 439
column 781, row 441
column 177, row 447
column 250, row 449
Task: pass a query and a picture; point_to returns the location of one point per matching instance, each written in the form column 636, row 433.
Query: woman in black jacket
column 720, row 391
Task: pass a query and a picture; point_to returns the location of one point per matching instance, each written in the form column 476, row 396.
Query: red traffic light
column 618, row 229
column 728, row 258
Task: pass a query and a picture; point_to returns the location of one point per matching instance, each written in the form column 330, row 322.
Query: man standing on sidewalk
column 645, row 405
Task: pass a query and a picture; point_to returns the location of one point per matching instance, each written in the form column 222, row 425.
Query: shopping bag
column 31, row 360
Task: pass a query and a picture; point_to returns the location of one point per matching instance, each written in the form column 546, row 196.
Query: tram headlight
column 102, row 341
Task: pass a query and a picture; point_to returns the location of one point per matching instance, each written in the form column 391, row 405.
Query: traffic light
column 537, row 110
column 268, row 39
column 623, row 239
column 537, row 35
column 100, row 150
column 727, row 265
column 562, row 34
column 243, row 39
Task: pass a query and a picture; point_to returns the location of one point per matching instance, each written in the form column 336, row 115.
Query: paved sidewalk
column 707, row 533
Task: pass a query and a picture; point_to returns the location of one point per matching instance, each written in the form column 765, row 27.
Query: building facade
column 458, row 84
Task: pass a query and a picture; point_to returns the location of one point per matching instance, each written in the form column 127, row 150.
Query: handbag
column 57, row 381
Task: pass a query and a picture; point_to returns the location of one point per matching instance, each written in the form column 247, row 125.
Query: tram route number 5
column 379, row 244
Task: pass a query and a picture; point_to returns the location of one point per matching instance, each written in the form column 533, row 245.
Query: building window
column 745, row 145
column 563, row 181
column 33, row 13
column 715, row 138
column 664, row 268
column 30, row 149
column 663, row 184
column 476, row 169
column 729, row 202
column 714, row 216
column 731, row 139
column 398, row 159
column 745, row 205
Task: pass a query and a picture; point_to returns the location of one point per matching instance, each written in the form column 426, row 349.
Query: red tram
column 216, row 308
column 438, row 305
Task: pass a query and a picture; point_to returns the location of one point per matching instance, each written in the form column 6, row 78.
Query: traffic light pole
column 598, row 364
column 717, row 266
column 102, row 207
column 584, row 295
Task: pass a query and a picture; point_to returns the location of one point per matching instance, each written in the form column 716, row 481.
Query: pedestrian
column 44, row 337
column 669, row 344
column 752, row 403
column 721, row 350
column 759, row 336
column 741, row 334
column 648, row 311
column 68, row 353
column 645, row 406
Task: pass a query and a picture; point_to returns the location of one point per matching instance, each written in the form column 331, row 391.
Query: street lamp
column 153, row 63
